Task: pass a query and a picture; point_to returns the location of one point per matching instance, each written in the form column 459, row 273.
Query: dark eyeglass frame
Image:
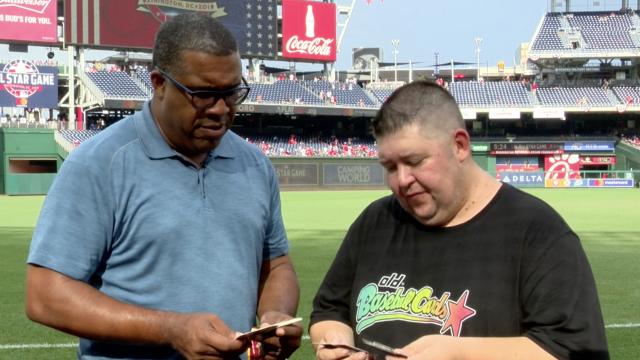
column 201, row 100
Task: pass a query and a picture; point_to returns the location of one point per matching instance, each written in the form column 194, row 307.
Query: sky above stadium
column 449, row 27
column 423, row 28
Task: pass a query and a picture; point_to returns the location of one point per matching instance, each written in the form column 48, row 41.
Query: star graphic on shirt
column 458, row 313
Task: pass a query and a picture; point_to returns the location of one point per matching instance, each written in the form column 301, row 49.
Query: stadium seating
column 117, row 85
column 587, row 31
column 547, row 37
column 573, row 96
column 490, row 94
column 604, row 31
column 144, row 76
column 283, row 146
column 349, row 94
column 77, row 136
column 279, row 145
column 382, row 94
column 629, row 95
column 282, row 91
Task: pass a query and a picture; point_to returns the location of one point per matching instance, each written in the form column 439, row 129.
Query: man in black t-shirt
column 454, row 265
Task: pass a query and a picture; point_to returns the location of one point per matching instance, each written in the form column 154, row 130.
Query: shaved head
column 423, row 103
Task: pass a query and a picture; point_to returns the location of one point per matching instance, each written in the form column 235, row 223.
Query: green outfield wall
column 30, row 161
column 32, row 157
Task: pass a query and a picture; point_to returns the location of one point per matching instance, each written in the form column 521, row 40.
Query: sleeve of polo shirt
column 276, row 243
column 74, row 225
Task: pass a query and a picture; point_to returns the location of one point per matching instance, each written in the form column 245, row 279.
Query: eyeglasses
column 204, row 99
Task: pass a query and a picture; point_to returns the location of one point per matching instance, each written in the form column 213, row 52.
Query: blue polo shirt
column 131, row 217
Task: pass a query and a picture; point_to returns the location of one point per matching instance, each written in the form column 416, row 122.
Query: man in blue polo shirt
column 162, row 236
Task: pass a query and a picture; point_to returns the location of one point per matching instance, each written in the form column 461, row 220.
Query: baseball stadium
column 563, row 124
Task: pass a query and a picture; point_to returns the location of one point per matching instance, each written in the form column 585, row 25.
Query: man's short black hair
column 190, row 31
column 422, row 102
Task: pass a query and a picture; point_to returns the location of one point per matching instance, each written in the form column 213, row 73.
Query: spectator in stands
column 629, row 100
column 148, row 245
column 454, row 252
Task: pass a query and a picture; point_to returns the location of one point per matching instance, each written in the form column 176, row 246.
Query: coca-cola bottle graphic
column 310, row 23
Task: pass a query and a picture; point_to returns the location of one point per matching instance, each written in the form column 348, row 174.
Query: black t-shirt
column 515, row 269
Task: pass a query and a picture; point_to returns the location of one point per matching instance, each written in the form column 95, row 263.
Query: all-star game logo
column 163, row 10
column 21, row 79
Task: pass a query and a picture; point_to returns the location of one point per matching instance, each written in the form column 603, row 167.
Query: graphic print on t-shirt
column 388, row 300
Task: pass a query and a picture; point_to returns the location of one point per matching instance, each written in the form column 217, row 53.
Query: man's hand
column 198, row 336
column 431, row 347
column 443, row 347
column 340, row 348
column 284, row 341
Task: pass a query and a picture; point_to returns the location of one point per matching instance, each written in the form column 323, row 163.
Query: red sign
column 308, row 30
column 29, row 21
column 562, row 167
column 597, row 160
column 134, row 23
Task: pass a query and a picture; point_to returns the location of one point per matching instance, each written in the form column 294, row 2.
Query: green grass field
column 606, row 219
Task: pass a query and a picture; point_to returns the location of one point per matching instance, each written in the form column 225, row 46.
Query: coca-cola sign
column 317, row 46
column 308, row 30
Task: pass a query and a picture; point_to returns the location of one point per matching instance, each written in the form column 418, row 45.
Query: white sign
column 468, row 114
column 504, row 113
column 548, row 113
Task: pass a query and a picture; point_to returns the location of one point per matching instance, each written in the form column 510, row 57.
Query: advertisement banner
column 562, row 167
column 309, row 30
column 480, row 147
column 548, row 113
column 29, row 21
column 517, row 163
column 523, row 179
column 526, row 148
column 504, row 114
column 365, row 174
column 602, row 146
column 133, row 23
column 297, row 174
column 597, row 160
column 626, row 183
column 23, row 84
column 557, row 183
column 366, row 58
column 468, row 114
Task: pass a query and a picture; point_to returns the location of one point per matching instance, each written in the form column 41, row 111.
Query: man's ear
column 462, row 143
column 159, row 83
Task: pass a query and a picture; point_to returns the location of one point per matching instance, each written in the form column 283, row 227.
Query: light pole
column 395, row 44
column 478, row 42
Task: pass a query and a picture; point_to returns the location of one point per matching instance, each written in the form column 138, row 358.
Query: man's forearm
column 74, row 307
column 279, row 289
